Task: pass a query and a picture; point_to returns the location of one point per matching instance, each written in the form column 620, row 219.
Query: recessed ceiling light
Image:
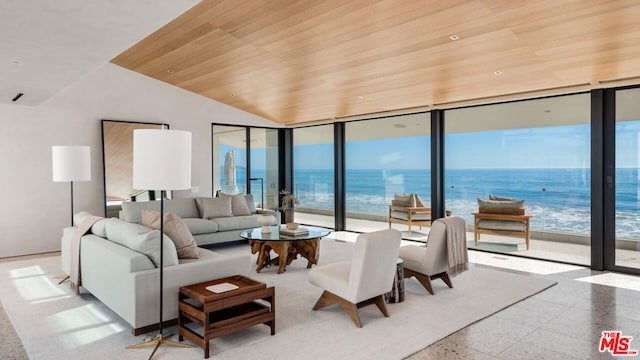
column 400, row 126
column 454, row 37
column 170, row 71
column 360, row 97
column 15, row 62
column 497, row 73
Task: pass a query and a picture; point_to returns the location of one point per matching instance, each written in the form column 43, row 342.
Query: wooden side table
column 225, row 312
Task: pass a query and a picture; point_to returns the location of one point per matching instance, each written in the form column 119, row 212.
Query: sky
column 547, row 147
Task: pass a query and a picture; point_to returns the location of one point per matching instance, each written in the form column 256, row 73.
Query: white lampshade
column 71, row 163
column 161, row 159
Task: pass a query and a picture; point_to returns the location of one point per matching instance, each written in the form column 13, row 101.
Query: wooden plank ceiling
column 300, row 61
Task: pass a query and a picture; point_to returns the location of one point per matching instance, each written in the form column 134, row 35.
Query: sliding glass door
column 384, row 157
column 263, row 179
column 627, row 183
column 229, row 154
column 535, row 150
column 313, row 175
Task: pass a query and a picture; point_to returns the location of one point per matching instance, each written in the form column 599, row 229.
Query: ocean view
column 558, row 198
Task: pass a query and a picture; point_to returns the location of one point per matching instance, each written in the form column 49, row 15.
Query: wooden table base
column 287, row 251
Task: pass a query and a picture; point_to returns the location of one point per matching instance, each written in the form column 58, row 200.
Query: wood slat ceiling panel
column 296, row 61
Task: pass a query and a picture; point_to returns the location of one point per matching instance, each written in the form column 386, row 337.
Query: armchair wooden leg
column 350, row 308
column 422, row 278
column 379, row 301
column 325, row 299
column 445, row 278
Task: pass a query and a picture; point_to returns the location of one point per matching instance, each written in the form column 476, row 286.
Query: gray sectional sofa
column 117, row 266
column 198, row 218
column 119, row 257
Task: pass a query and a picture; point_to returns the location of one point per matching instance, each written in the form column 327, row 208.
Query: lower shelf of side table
column 199, row 326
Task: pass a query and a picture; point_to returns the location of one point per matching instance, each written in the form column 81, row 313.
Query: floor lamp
column 71, row 163
column 261, row 190
column 161, row 161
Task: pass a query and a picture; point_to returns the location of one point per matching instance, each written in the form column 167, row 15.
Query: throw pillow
column 501, row 207
column 175, row 229
column 418, row 201
column 250, row 203
column 216, row 207
column 491, row 197
column 407, row 200
column 238, row 204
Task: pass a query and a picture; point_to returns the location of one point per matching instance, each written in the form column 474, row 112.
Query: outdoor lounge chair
column 502, row 216
column 409, row 209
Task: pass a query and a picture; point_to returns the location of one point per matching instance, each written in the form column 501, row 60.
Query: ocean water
column 560, row 199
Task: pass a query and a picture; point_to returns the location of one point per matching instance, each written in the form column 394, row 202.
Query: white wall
column 35, row 209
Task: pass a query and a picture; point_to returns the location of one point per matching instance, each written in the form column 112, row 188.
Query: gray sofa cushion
column 143, row 240
column 184, row 208
column 201, row 226
column 237, row 222
column 502, row 225
column 99, row 228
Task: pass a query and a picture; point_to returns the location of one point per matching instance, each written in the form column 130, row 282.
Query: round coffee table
column 286, row 246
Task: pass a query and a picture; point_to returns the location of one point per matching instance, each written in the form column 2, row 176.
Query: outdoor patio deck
column 555, row 250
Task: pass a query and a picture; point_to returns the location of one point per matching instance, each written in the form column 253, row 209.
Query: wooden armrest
column 409, row 209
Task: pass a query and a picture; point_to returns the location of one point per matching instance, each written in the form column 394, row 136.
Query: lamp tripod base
column 157, row 341
column 63, row 277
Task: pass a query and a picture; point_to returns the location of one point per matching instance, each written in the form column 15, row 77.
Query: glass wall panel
column 627, row 178
column 537, row 151
column 229, row 159
column 263, row 146
column 384, row 157
column 313, row 175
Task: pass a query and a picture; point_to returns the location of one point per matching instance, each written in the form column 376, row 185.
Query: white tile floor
column 565, row 321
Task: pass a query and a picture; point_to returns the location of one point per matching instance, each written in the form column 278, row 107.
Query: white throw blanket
column 75, row 277
column 456, row 244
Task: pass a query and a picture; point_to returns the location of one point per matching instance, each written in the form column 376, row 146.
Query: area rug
column 55, row 324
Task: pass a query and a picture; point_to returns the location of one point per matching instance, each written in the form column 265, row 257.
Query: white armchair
column 365, row 279
column 436, row 260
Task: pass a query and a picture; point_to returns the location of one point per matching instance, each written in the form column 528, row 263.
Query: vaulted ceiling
column 301, row 61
